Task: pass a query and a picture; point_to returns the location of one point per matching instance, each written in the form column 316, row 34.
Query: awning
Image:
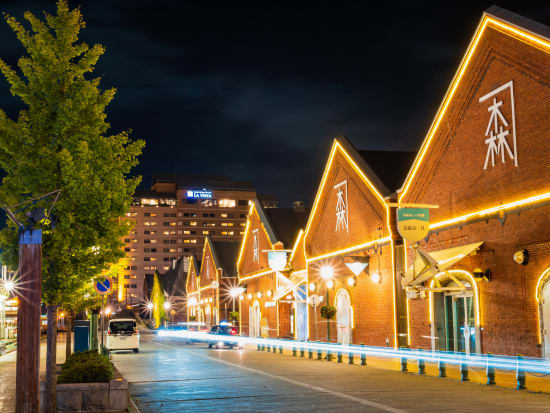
column 289, row 284
column 428, row 264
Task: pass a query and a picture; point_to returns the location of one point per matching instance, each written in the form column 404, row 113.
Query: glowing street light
column 150, row 306
column 108, row 310
column 167, row 305
column 9, row 285
column 376, row 278
column 327, row 272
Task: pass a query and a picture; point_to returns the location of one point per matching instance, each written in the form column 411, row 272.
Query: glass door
column 455, row 322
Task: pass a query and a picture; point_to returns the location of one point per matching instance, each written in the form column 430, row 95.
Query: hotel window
column 133, row 232
column 209, row 224
column 148, row 201
column 180, row 249
column 243, row 202
column 208, row 203
column 187, row 232
column 230, row 233
column 146, row 232
column 127, row 249
column 166, row 215
column 193, row 241
column 172, row 241
column 165, row 232
column 153, row 214
column 126, row 239
column 147, row 241
column 147, row 259
column 128, row 214
column 242, row 232
column 165, row 268
column 193, row 223
column 146, row 249
column 165, row 223
column 205, row 215
column 147, row 214
column 133, row 267
column 205, row 232
column 133, row 276
column 134, row 214
column 180, row 223
column 172, row 224
column 223, row 215
column 133, row 249
column 243, row 224
column 227, row 203
column 127, row 277
column 134, row 240
column 243, row 215
column 153, row 258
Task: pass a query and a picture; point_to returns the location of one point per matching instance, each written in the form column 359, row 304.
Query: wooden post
column 28, row 322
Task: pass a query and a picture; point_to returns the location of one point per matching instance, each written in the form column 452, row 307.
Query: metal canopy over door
column 343, row 317
column 546, row 319
column 455, row 328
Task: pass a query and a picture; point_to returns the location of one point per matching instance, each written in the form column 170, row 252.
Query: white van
column 122, row 334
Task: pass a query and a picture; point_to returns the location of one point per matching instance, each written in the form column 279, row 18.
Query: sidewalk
column 7, row 373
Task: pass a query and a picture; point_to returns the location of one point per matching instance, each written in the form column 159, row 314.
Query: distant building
column 172, row 220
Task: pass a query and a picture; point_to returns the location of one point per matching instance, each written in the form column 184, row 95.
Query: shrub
column 328, row 312
column 86, row 367
column 234, row 315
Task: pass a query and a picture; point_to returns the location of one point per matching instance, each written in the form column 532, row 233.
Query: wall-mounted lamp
column 376, row 278
column 311, row 286
column 521, row 257
column 351, row 281
column 356, row 263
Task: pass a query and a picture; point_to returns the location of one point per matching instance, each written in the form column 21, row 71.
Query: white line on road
column 299, row 383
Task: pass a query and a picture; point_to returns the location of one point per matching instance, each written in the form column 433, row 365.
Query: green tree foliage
column 328, row 312
column 60, row 140
column 157, row 298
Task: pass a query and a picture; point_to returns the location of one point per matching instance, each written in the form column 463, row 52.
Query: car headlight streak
column 533, row 365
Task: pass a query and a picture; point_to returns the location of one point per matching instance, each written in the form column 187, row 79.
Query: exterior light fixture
column 289, row 297
column 249, row 296
column 311, row 286
column 259, row 294
column 356, row 263
column 149, row 306
column 521, row 257
column 9, row 285
column 241, row 297
column 327, row 272
column 277, row 260
column 269, row 293
column 234, row 292
column 167, row 305
column 330, row 284
column 108, row 310
column 376, row 278
column 351, row 281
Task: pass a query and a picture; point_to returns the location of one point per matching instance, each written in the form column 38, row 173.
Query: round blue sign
column 103, row 286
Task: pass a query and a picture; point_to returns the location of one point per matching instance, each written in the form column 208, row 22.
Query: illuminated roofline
column 296, row 243
column 256, row 275
column 338, row 146
column 513, row 31
column 241, row 251
column 350, row 249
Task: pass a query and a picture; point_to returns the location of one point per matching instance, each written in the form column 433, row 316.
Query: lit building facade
column 351, row 249
column 174, row 218
column 266, row 306
column 486, row 163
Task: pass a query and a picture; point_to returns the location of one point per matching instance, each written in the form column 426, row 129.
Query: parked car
column 227, row 337
column 123, row 334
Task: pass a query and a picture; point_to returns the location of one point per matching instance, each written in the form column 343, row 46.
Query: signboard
column 103, row 286
column 276, row 260
column 413, row 223
column 199, row 193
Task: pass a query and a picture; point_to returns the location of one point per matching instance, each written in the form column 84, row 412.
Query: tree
column 157, row 298
column 60, row 141
column 328, row 312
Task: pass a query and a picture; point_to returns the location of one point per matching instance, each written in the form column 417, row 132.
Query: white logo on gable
column 498, row 129
column 255, row 247
column 342, row 206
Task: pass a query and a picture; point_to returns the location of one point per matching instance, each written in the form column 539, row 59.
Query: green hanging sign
column 413, row 223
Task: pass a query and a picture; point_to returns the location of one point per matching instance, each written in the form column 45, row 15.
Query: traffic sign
column 413, row 223
column 104, row 285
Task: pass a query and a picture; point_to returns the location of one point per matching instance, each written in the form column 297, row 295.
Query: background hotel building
column 173, row 219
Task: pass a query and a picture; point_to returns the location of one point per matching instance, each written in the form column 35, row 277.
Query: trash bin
column 81, row 335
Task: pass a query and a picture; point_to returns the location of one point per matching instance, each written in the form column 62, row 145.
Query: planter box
column 90, row 397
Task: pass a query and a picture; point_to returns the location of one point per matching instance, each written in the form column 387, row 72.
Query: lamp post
column 327, row 272
column 167, row 306
column 150, row 308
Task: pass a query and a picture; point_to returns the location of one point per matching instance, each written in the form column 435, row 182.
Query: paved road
column 169, row 376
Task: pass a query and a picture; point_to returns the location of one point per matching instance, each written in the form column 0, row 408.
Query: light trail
column 527, row 364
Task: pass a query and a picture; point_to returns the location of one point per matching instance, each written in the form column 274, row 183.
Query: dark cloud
column 257, row 90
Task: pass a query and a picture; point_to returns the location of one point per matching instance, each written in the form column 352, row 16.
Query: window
column 243, row 215
column 172, row 214
column 189, row 200
column 127, row 249
column 153, row 250
column 147, row 214
column 209, row 224
column 223, row 215
column 127, row 277
column 133, row 258
column 212, row 215
column 243, row 202
column 208, row 203
column 146, row 232
column 133, row 232
column 126, row 239
column 165, row 232
column 186, row 224
column 190, row 214
column 205, row 232
column 243, row 224
column 180, row 232
column 242, row 232
column 166, row 214
column 133, row 267
column 128, row 214
column 227, row 203
column 153, row 258
column 146, row 258
column 193, row 223
column 227, row 224
column 186, row 232
column 165, row 268
column 165, row 223
column 205, row 215
column 146, row 249
column 134, row 240
column 173, row 224
column 133, row 249
column 147, row 241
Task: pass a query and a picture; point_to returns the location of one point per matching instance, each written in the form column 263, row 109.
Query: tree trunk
column 51, row 355
column 69, row 326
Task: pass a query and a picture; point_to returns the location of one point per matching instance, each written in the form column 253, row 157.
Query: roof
column 226, row 254
column 519, row 21
column 203, row 181
column 152, row 194
column 173, row 280
column 391, row 167
column 286, row 223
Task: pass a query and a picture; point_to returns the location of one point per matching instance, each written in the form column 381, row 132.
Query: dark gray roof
column 152, row 194
column 286, row 223
column 519, row 21
column 391, row 167
column 226, row 253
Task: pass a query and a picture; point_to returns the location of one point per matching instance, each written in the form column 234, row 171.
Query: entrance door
column 455, row 322
column 254, row 318
column 343, row 317
column 301, row 313
column 546, row 319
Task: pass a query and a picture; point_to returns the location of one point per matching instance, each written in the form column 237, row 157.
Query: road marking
column 299, row 383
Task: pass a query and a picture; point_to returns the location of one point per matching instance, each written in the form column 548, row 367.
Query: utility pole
column 28, row 322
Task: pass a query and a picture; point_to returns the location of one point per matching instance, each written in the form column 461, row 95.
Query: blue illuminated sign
column 199, row 193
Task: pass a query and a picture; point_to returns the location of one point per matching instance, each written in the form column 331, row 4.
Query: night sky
column 258, row 90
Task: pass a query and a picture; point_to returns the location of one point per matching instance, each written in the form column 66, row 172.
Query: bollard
column 280, row 349
column 464, row 369
column 520, row 375
column 293, row 351
column 329, row 355
column 363, row 357
column 263, row 347
column 404, row 363
column 259, row 346
column 490, row 371
column 442, row 367
column 421, row 363
column 350, row 358
column 310, row 352
column 268, row 348
column 339, row 357
column 302, row 352
column 319, row 354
